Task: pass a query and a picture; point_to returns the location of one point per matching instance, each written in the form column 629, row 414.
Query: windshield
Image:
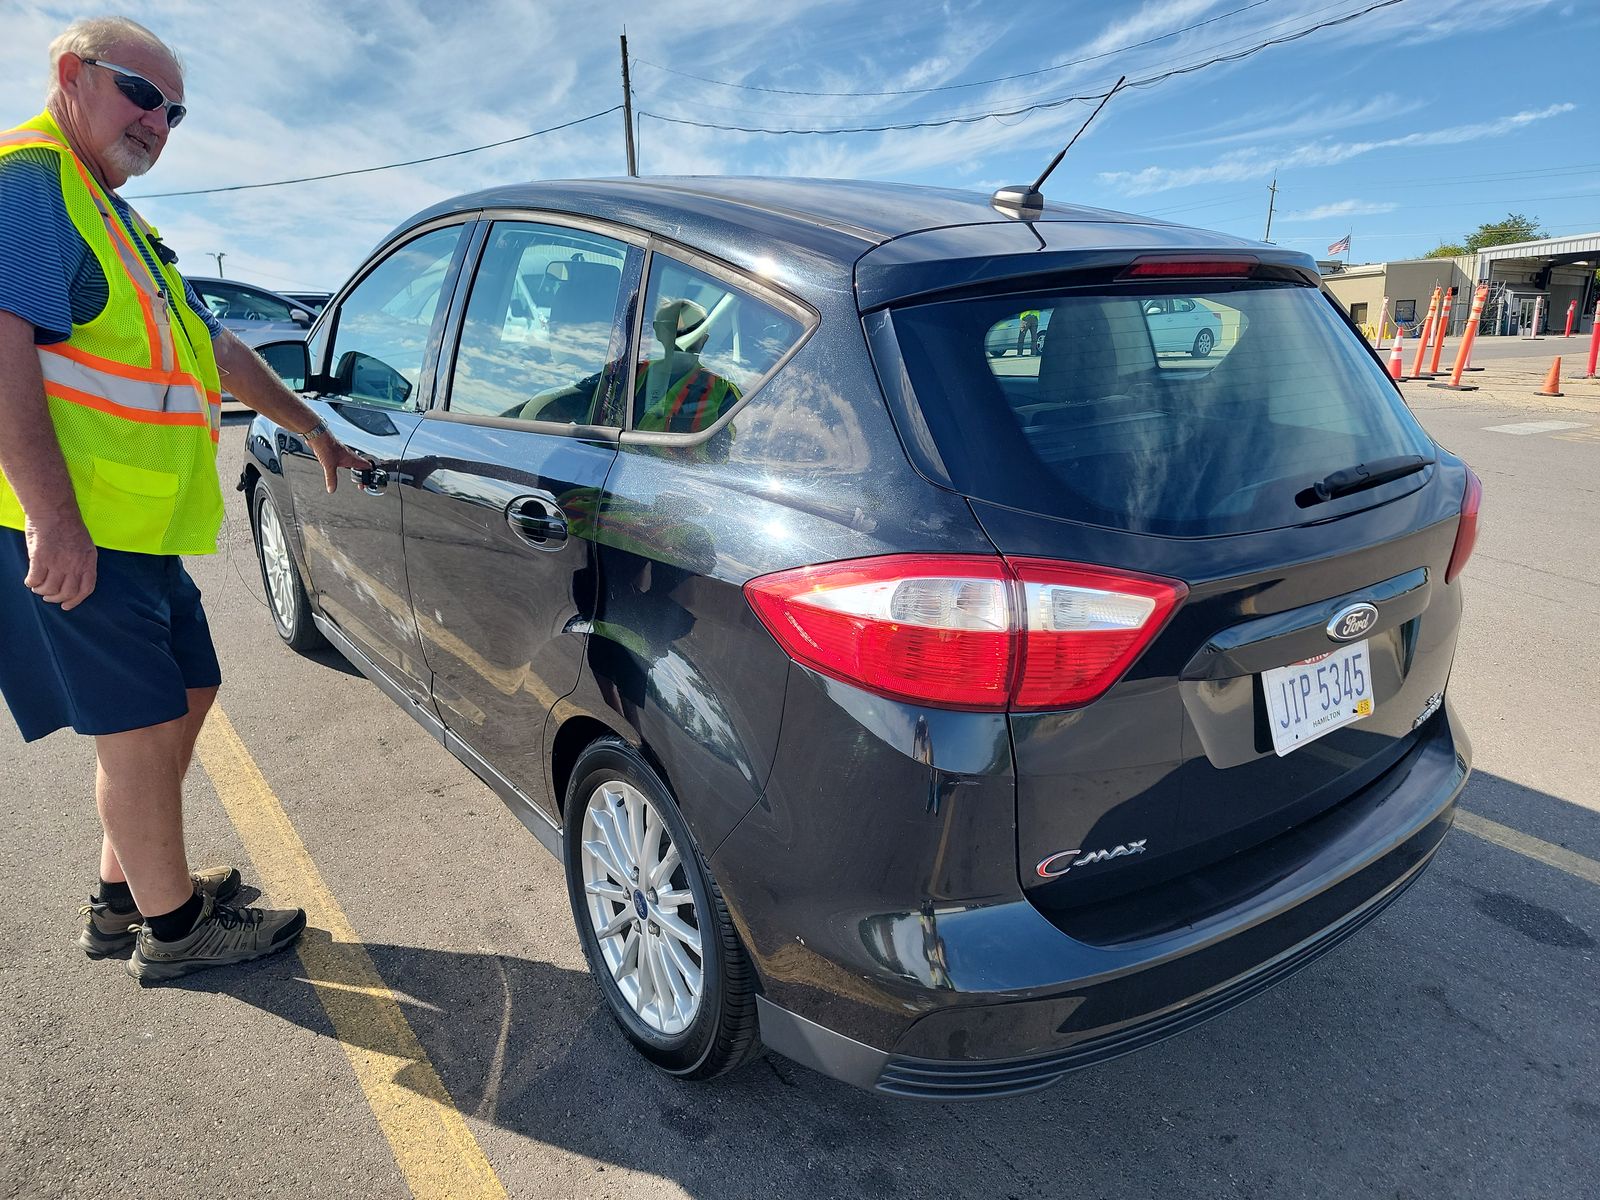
column 1185, row 413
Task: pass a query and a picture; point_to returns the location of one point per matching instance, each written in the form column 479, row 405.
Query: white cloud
column 1305, row 118
column 1151, row 20
column 1260, row 164
column 1341, row 208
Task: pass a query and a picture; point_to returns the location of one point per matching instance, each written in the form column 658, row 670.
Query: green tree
column 1515, row 228
column 1446, row 250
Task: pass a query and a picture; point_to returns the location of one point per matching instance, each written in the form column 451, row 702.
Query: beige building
column 1544, row 277
column 1408, row 285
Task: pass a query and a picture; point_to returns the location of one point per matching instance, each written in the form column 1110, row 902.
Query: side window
column 212, row 297
column 241, row 303
column 707, row 343
column 536, row 340
column 380, row 333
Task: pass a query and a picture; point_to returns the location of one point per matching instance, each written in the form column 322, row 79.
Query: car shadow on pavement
column 327, row 656
column 1457, row 1018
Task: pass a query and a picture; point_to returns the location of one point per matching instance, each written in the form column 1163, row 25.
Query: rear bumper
column 1025, row 1003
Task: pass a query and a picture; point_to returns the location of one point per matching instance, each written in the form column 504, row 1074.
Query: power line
column 1373, row 237
column 1470, row 202
column 244, row 187
column 1041, row 105
column 949, row 87
column 971, row 120
column 1542, row 172
column 1558, row 169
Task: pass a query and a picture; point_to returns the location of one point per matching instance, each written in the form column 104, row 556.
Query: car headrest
column 1079, row 363
column 589, row 295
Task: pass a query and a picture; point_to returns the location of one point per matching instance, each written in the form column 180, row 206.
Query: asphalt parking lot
column 437, row 1034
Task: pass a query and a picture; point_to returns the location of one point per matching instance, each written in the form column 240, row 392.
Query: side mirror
column 301, row 317
column 289, row 361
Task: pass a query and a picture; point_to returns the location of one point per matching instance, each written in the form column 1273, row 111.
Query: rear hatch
column 1212, row 421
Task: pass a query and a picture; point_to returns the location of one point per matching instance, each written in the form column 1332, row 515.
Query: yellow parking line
column 1548, row 853
column 432, row 1145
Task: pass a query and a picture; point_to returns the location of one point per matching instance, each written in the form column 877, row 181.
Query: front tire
column 286, row 595
column 652, row 921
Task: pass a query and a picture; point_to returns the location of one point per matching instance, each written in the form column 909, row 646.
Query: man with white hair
column 110, row 394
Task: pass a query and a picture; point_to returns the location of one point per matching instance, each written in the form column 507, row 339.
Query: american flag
column 1342, row 245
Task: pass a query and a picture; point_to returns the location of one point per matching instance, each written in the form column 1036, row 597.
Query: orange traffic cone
column 1396, row 366
column 1552, row 381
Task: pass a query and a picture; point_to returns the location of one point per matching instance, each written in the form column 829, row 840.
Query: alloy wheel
column 279, row 567
column 642, row 911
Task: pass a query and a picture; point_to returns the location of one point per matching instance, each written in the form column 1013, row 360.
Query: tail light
column 966, row 632
column 1467, row 531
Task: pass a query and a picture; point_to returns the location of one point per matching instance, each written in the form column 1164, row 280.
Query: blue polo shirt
column 48, row 275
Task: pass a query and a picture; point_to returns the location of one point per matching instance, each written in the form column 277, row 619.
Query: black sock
column 169, row 927
column 116, row 895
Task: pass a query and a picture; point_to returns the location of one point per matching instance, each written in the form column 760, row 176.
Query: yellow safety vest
column 134, row 393
column 689, row 404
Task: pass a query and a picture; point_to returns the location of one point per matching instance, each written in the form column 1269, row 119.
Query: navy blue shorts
column 123, row 659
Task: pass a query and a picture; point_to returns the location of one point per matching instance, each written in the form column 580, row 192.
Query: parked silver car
column 253, row 313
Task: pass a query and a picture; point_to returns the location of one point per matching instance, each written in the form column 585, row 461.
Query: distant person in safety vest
column 677, row 393
column 110, row 391
column 1028, row 328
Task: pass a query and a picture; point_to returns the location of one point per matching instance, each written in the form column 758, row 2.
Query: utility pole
column 219, row 255
column 627, row 109
column 1271, row 204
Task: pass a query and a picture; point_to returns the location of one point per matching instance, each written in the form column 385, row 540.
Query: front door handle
column 371, row 480
column 538, row 521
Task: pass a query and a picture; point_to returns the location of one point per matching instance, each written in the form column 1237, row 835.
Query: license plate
column 1308, row 699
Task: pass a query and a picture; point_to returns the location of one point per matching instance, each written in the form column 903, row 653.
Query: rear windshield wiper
column 1360, row 477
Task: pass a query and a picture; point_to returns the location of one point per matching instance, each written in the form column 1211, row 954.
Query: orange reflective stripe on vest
column 175, row 393
column 702, row 392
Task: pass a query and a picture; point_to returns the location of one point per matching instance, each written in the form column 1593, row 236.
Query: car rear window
column 1187, row 413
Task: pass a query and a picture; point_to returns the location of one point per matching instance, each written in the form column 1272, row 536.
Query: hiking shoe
column 107, row 930
column 222, row 936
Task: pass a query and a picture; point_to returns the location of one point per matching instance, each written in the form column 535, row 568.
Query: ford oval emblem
column 1350, row 623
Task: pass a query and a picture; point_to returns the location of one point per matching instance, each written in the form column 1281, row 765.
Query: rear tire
column 690, row 1012
column 286, row 595
column 1203, row 342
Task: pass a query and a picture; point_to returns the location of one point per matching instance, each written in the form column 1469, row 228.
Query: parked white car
column 1179, row 325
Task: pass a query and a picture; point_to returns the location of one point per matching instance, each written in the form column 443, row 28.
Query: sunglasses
column 141, row 91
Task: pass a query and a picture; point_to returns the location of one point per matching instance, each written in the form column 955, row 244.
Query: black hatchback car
column 941, row 719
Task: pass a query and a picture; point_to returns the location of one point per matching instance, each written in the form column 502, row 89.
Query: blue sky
column 1400, row 127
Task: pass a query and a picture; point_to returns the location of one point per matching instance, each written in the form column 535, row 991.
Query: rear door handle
column 537, row 521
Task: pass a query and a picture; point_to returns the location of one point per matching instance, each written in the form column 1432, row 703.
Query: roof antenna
column 1027, row 202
